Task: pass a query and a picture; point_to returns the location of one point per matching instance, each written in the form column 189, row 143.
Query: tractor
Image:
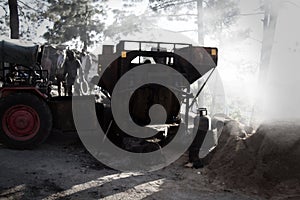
column 29, row 111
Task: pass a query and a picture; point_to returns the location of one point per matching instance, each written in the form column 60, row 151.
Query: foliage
column 218, row 14
column 128, row 20
column 75, row 19
column 4, row 18
column 30, row 16
column 83, row 20
column 126, row 25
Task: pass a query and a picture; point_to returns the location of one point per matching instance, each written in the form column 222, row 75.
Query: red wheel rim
column 21, row 122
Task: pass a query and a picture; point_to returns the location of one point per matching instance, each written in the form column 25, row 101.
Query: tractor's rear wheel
column 26, row 120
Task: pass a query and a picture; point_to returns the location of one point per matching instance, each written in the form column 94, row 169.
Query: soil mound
column 266, row 162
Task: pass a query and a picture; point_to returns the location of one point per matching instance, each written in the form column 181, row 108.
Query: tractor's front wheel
column 26, row 120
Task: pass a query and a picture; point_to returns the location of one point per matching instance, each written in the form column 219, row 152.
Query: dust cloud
column 280, row 88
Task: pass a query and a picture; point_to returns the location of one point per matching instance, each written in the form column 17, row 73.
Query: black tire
column 25, row 120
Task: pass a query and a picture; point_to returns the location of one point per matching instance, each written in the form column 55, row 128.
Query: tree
column 127, row 21
column 27, row 17
column 271, row 9
column 126, row 24
column 13, row 19
column 211, row 17
column 224, row 13
column 4, row 18
column 81, row 19
column 200, row 22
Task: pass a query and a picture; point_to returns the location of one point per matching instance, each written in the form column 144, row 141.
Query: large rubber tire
column 25, row 120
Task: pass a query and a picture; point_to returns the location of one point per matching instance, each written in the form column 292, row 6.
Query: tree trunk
column 14, row 19
column 200, row 22
column 200, row 40
column 271, row 8
column 269, row 23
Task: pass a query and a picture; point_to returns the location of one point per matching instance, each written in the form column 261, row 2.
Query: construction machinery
column 28, row 110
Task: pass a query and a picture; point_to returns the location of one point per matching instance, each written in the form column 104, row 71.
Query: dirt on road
column 62, row 169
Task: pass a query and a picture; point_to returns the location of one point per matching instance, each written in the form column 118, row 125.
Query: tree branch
column 172, row 4
column 252, row 38
column 178, row 15
column 249, row 14
column 183, row 31
column 292, row 3
column 2, row 7
column 5, row 10
column 29, row 6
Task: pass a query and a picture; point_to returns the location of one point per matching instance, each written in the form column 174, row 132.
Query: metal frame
column 150, row 42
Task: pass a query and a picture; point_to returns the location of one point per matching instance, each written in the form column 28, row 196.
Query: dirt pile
column 266, row 162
